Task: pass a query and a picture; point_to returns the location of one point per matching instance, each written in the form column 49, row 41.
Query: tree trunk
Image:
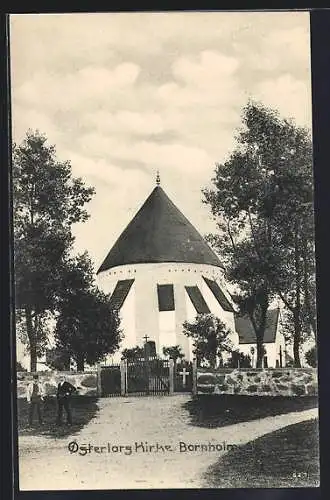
column 307, row 295
column 297, row 309
column 296, row 340
column 259, row 327
column 32, row 339
column 260, row 351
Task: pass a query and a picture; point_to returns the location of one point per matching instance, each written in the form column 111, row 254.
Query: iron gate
column 183, row 376
column 148, row 377
column 110, row 380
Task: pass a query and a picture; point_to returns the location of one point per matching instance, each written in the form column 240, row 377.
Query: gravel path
column 123, row 430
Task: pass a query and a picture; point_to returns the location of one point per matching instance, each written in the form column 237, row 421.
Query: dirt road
column 137, row 443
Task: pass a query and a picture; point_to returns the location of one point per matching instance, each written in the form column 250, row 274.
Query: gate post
column 171, row 375
column 99, row 381
column 123, row 377
column 194, row 377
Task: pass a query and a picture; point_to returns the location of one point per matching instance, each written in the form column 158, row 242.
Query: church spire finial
column 157, row 178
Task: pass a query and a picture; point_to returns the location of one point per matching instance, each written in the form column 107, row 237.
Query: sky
column 122, row 95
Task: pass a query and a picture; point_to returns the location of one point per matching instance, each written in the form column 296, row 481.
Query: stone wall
column 85, row 382
column 258, row 382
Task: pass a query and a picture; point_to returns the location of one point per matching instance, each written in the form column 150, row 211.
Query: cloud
column 207, row 69
column 204, row 80
column 290, row 96
column 88, row 86
column 126, row 122
column 152, row 154
column 122, row 95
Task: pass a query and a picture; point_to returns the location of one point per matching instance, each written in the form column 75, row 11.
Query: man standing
column 64, row 392
column 34, row 396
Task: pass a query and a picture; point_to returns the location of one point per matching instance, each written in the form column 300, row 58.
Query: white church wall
column 226, row 316
column 146, row 308
column 167, row 334
column 140, row 314
column 180, row 318
column 191, row 315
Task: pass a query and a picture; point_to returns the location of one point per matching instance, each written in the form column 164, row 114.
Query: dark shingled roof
column 159, row 232
column 246, row 332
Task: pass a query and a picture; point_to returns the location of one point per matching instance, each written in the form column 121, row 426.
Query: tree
column 58, row 359
column 132, row 353
column 19, row 367
column 47, row 200
column 262, row 203
column 311, row 357
column 238, row 359
column 288, row 327
column 174, row 352
column 87, row 328
column 210, row 336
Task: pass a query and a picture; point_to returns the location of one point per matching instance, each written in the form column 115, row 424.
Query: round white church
column 161, row 272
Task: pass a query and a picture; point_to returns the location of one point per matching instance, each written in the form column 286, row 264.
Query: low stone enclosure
column 258, row 382
column 86, row 382
column 243, row 381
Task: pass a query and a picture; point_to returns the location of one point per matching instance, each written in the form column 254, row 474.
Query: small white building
column 274, row 341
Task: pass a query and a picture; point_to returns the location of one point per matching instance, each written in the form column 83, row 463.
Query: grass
column 285, row 458
column 218, row 411
column 83, row 409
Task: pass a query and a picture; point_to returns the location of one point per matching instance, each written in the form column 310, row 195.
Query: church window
column 197, row 299
column 120, row 293
column 218, row 294
column 165, row 297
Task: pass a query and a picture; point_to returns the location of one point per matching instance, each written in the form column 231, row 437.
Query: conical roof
column 159, row 232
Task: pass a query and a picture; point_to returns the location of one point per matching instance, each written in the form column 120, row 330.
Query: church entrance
column 110, row 380
column 183, row 376
column 150, row 376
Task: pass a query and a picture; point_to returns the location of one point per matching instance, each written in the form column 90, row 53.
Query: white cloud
column 88, row 86
column 206, row 70
column 151, row 91
column 125, row 122
column 290, row 96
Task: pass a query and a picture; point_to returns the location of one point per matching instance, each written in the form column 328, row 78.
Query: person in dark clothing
column 35, row 395
column 64, row 392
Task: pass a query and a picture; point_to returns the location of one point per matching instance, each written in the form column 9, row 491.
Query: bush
column 311, row 357
column 237, row 356
column 57, row 359
column 19, row 367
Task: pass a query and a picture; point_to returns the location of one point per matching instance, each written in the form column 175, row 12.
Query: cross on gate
column 184, row 374
column 146, row 337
